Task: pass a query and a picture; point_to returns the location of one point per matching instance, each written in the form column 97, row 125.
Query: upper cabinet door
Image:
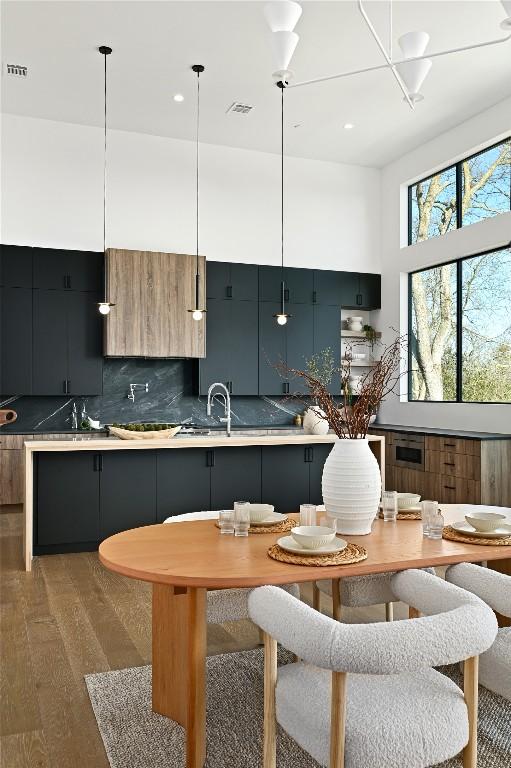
column 16, row 266
column 328, row 287
column 217, row 279
column 50, row 368
column 216, row 366
column 85, row 358
column 327, row 335
column 68, row 270
column 370, row 290
column 244, row 348
column 16, row 341
column 244, row 282
column 300, row 346
column 272, row 351
column 350, row 292
column 299, row 285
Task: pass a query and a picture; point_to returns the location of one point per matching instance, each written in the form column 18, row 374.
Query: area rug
column 134, row 737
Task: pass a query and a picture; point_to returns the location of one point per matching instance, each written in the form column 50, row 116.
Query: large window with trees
column 460, row 330
column 476, row 188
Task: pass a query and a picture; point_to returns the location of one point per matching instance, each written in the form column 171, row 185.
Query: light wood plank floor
column 67, row 618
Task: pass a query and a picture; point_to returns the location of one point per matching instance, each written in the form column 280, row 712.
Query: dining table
column 183, row 561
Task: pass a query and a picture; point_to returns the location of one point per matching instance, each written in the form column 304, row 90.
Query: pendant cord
column 282, row 181
column 104, row 171
column 197, row 186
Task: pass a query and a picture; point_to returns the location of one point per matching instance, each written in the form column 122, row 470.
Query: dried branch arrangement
column 349, row 417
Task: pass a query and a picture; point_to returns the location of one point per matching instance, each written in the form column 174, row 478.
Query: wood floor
column 65, row 619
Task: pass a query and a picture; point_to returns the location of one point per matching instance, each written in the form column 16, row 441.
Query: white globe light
column 179, row 97
column 104, row 308
column 197, row 314
column 281, row 319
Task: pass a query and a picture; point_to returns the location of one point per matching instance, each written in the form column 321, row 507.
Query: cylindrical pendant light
column 282, row 317
column 105, row 306
column 197, row 311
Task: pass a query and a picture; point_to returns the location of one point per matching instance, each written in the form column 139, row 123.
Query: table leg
column 179, row 663
column 336, row 599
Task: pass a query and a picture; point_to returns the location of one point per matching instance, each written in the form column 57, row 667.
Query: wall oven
column 409, row 452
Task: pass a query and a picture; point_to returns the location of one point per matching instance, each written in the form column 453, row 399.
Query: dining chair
column 366, row 695
column 495, row 589
column 225, row 604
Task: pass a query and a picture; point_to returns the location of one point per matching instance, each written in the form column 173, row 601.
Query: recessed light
column 348, row 126
column 179, row 97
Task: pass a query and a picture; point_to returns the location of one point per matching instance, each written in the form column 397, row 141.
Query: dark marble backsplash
column 170, row 399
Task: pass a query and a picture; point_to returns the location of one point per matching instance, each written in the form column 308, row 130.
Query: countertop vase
column 351, row 486
column 314, row 421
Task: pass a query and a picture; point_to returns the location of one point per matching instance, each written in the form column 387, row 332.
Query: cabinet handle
column 286, row 294
column 311, row 454
column 228, row 291
column 64, row 386
column 95, row 462
column 359, row 299
column 450, row 445
column 314, row 297
column 101, row 462
column 285, row 388
column 450, row 487
column 210, row 458
column 449, row 464
column 229, row 387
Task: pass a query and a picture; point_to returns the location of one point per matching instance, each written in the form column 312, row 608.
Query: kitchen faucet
column 225, row 399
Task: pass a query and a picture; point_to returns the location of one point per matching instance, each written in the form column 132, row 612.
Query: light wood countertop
column 201, row 441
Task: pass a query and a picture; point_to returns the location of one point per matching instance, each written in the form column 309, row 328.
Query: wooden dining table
column 183, row 561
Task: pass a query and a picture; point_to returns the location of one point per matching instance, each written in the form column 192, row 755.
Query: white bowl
column 312, row 536
column 407, row 500
column 485, row 521
column 260, row 512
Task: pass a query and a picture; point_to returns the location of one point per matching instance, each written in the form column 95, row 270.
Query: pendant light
column 105, row 306
column 282, row 317
column 197, row 312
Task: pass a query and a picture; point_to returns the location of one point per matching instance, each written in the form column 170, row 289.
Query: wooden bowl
column 128, row 434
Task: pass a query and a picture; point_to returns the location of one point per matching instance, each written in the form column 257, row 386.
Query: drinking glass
column 328, row 522
column 241, row 518
column 389, row 506
column 226, row 520
column 436, row 524
column 429, row 508
column 307, row 514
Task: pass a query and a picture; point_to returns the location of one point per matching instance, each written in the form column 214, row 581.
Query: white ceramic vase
column 314, row 422
column 351, row 486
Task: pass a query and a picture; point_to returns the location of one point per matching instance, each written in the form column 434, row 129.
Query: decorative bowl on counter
column 144, row 431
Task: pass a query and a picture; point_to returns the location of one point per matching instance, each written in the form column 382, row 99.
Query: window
column 460, row 330
column 476, row 188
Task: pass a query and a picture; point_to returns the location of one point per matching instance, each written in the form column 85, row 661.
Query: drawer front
column 453, row 445
column 454, row 464
column 459, row 490
column 11, row 476
column 12, row 442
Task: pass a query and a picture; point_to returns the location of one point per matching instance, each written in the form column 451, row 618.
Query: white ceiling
column 155, row 43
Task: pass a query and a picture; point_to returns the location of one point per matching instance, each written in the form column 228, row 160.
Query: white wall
column 52, row 191
column 397, row 260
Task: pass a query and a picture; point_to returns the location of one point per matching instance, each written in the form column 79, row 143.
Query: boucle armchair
column 366, row 695
column 495, row 589
column 224, row 604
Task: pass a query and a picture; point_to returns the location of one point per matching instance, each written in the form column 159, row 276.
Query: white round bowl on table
column 485, row 521
column 259, row 512
column 312, row 536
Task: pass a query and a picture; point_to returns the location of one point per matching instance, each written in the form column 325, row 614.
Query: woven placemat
column 404, row 515
column 353, row 553
column 452, row 535
column 283, row 527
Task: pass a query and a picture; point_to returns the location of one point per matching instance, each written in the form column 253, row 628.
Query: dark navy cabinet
column 272, row 351
column 317, row 456
column 225, row 280
column 285, row 476
column 360, row 291
column 235, row 476
column 183, row 481
column 327, row 334
column 299, row 284
column 66, row 501
column 127, row 490
column 328, row 287
column 50, row 327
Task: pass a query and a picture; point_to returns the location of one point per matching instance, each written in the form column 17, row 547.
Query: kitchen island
column 78, row 492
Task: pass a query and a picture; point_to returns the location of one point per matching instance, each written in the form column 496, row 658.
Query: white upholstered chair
column 495, row 589
column 225, row 604
column 366, row 695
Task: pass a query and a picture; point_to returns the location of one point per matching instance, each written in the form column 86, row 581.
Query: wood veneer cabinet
column 152, row 293
column 456, row 470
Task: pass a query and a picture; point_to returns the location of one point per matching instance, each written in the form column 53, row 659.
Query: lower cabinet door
column 235, row 476
column 67, row 498
column 318, row 455
column 183, row 481
column 127, row 490
column 285, row 477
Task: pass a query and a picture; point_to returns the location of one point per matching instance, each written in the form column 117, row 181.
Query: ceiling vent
column 17, row 70
column 239, row 108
